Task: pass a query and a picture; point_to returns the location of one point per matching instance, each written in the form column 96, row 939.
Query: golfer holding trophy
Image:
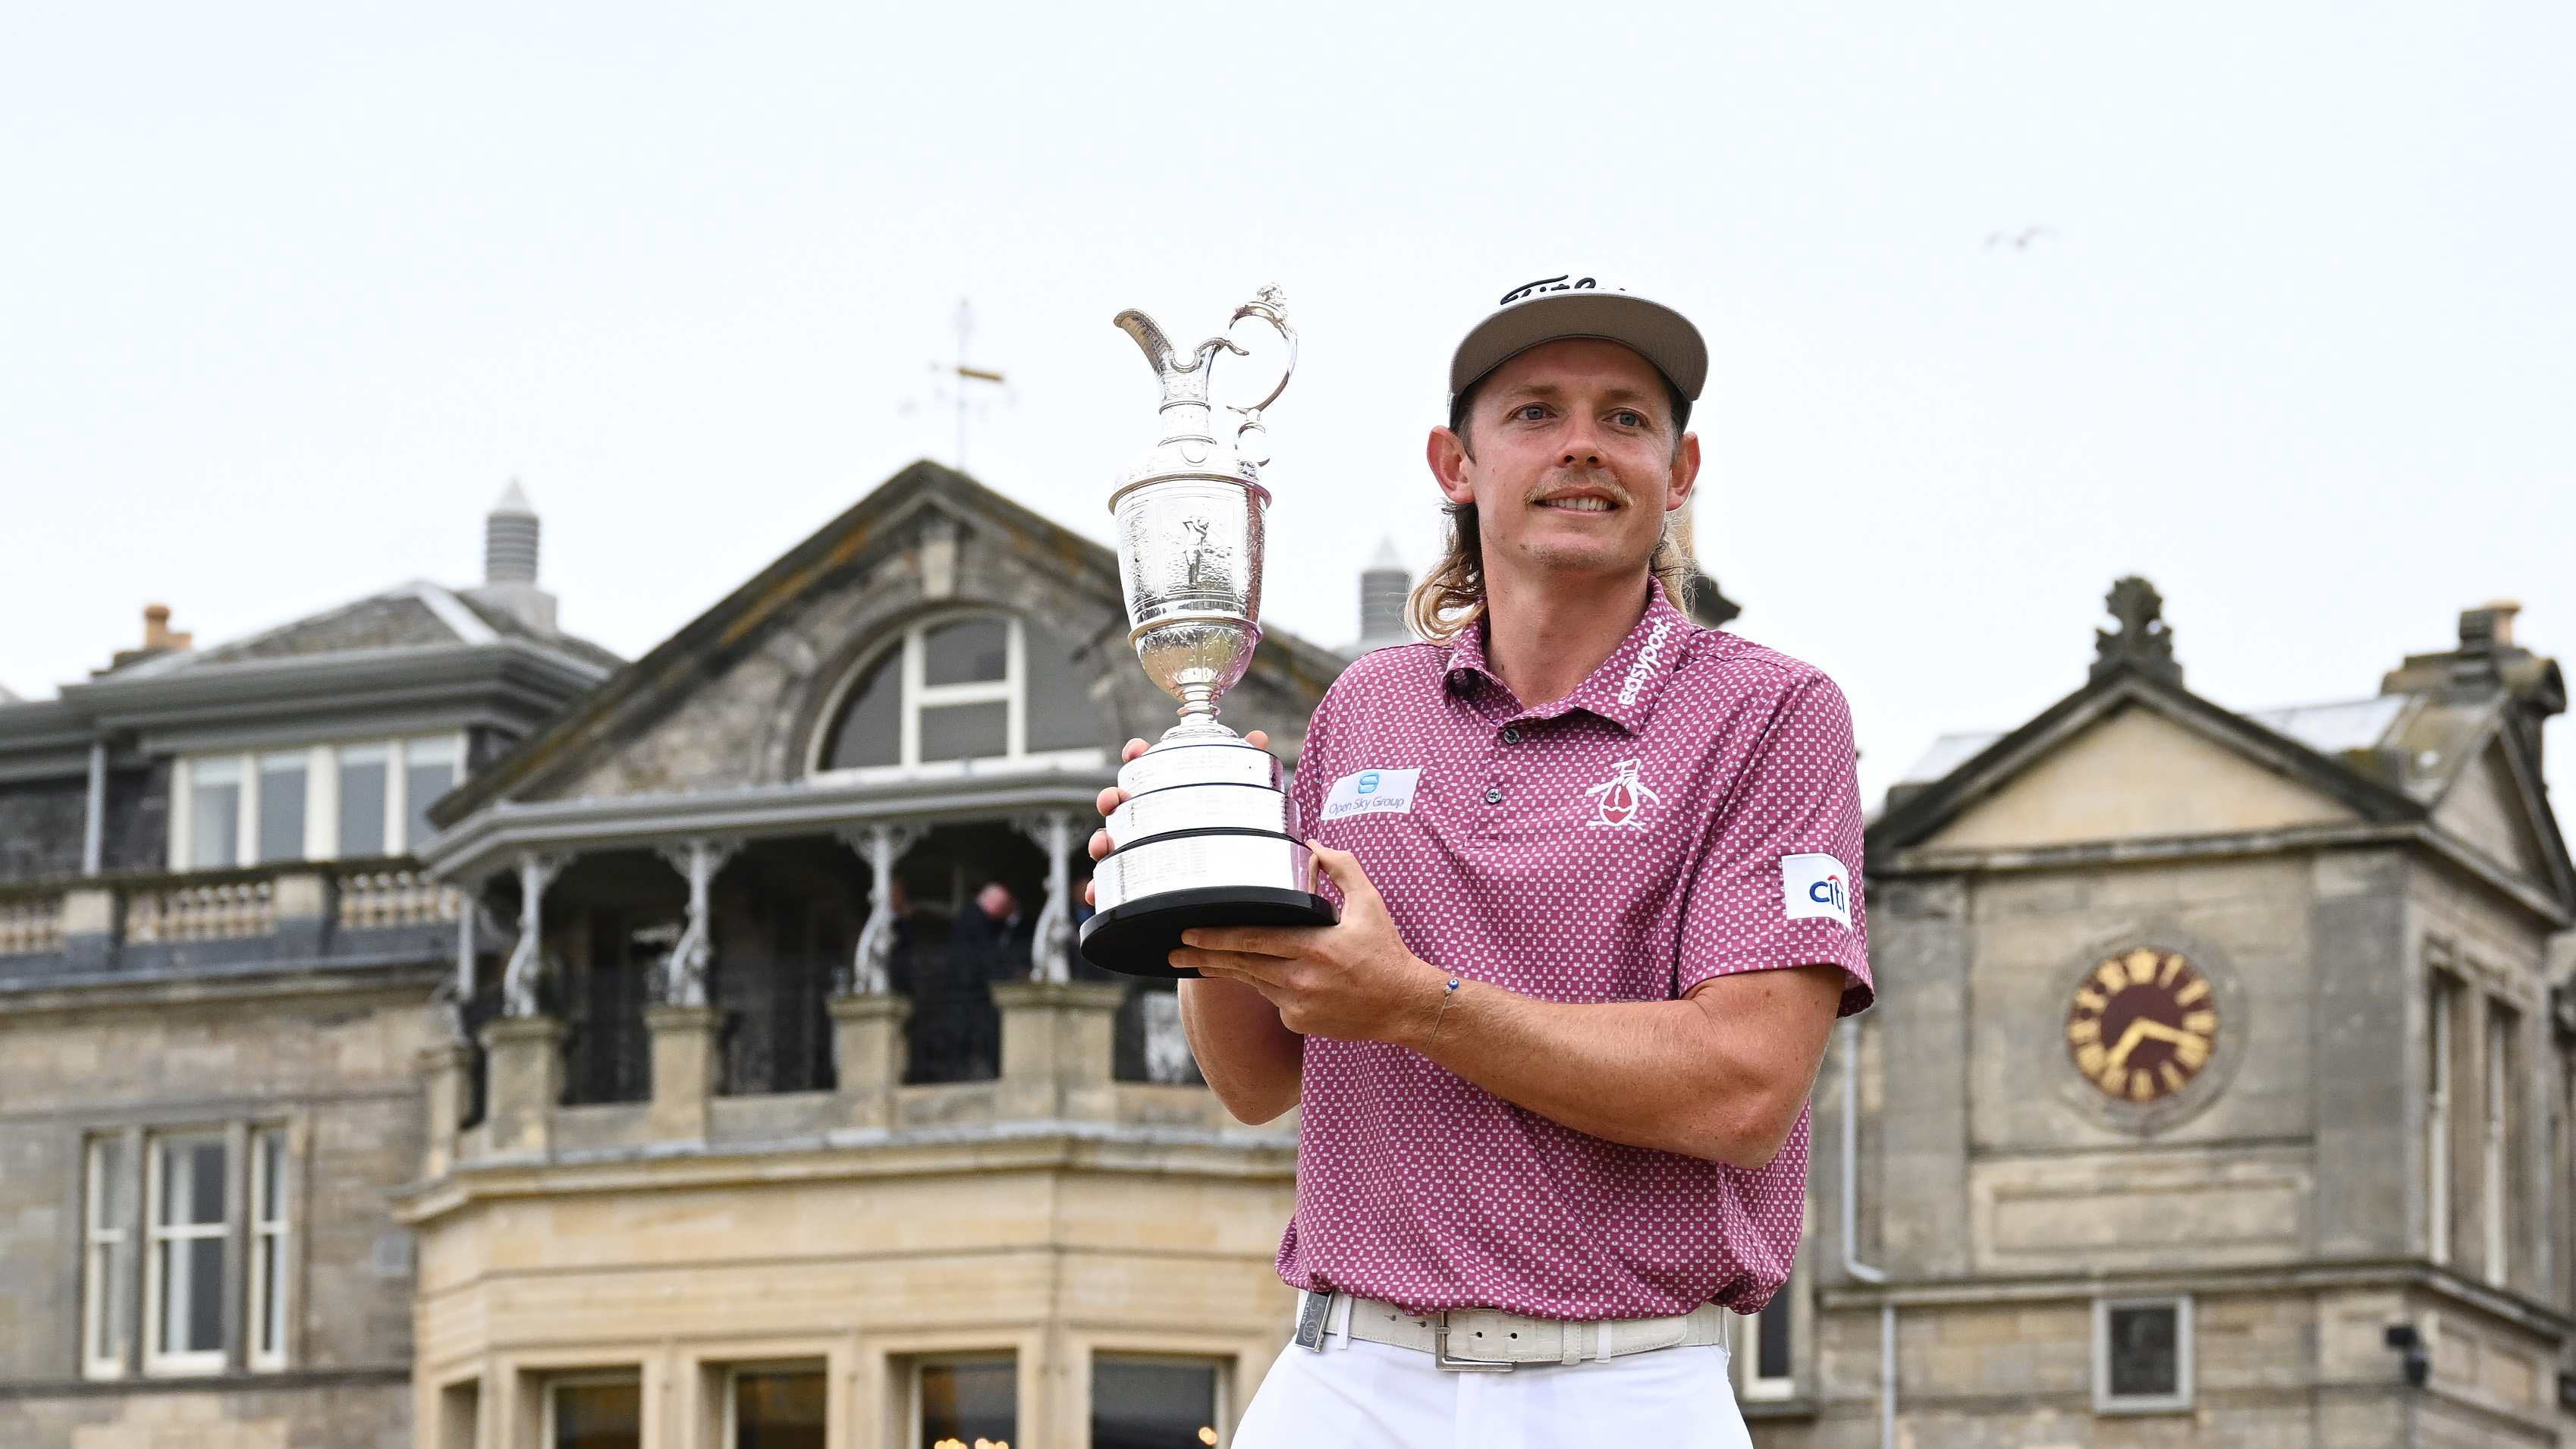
column 1598, row 909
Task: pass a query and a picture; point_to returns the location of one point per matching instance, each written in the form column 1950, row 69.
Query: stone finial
column 2144, row 641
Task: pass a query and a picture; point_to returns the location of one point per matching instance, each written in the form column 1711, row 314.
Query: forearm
column 1254, row 1064
column 1718, row 1081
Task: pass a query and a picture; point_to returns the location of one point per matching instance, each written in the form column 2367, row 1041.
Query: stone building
column 215, row 945
column 2220, row 1086
column 785, row 1113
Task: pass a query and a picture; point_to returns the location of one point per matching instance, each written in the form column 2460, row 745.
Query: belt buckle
column 1440, row 1352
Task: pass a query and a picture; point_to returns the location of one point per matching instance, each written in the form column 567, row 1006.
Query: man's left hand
column 1355, row 981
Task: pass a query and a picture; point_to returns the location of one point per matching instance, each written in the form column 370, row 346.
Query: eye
column 1531, row 412
column 1628, row 419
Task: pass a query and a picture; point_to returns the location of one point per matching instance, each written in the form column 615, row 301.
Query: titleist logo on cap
column 1545, row 284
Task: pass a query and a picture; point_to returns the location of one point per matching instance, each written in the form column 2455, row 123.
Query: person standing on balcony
column 1597, row 870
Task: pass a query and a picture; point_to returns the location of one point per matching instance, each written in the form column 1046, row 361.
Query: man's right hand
column 1113, row 797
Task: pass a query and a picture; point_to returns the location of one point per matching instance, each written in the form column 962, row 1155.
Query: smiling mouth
column 1579, row 505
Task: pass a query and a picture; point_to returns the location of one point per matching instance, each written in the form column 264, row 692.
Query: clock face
column 2142, row 1025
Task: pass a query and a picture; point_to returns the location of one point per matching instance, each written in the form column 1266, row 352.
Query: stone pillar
column 684, row 1070
column 524, row 1055
column 1057, row 1046
column 90, row 922
column 442, row 1068
column 303, row 902
column 869, row 1053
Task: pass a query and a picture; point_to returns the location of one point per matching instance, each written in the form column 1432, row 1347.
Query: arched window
column 957, row 690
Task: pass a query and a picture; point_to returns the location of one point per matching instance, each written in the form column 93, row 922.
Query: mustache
column 1600, row 478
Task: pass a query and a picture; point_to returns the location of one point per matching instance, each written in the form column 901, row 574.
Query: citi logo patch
column 1372, row 792
column 1813, row 886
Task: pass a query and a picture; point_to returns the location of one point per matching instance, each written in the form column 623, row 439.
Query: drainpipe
column 1852, row 1265
column 94, row 828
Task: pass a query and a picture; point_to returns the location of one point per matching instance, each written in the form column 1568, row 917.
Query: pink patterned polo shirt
column 1688, row 812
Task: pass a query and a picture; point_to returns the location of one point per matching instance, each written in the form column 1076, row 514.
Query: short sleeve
column 1778, row 880
column 1306, row 784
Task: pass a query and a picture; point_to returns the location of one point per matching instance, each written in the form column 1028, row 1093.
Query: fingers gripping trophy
column 1206, row 837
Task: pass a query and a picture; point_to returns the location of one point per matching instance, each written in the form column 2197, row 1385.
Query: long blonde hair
column 1451, row 598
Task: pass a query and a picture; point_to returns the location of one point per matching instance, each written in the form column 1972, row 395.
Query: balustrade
column 31, row 926
column 372, row 899
column 202, row 912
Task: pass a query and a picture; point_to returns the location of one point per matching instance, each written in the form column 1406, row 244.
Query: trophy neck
column 1185, row 419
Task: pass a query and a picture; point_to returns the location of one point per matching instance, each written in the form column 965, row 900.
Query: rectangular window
column 777, row 1408
column 1145, row 1403
column 600, row 1412
column 2437, row 1119
column 186, row 1288
column 429, row 771
column 2495, row 1182
column 281, row 806
column 362, row 802
column 958, row 1401
column 269, row 1255
column 214, row 814
column 107, row 1276
column 2142, row 1355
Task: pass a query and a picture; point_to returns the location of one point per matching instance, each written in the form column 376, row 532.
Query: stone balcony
column 288, row 915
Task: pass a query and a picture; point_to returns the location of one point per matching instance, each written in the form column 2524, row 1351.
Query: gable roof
column 2449, row 751
column 1926, row 811
column 741, row 621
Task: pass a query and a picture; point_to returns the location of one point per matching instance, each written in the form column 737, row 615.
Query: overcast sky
column 2283, row 315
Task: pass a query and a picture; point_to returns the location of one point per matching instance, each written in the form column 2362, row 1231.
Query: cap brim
column 1654, row 331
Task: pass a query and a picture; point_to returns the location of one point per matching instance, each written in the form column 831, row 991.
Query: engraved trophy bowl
column 1206, row 837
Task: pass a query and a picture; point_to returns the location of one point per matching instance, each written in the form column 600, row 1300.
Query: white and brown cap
column 1556, row 308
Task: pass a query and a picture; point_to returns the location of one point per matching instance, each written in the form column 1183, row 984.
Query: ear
column 1451, row 466
column 1685, row 475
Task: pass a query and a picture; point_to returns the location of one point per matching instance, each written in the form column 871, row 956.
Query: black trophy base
column 1138, row 938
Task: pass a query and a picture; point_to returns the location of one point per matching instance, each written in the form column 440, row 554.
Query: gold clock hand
column 2129, row 1040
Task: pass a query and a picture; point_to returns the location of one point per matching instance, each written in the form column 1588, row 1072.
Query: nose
column 1582, row 445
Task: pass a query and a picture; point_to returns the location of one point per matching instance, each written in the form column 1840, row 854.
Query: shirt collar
column 1623, row 690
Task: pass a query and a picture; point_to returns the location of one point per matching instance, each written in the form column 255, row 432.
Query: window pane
column 194, row 1295
column 970, row 651
column 362, row 801
column 2143, row 1352
column 871, row 728
column 271, row 1187
column 268, row 1265
column 778, row 1410
column 111, row 1186
column 216, row 833
column 1771, row 1338
column 281, row 807
column 1152, row 1405
column 429, row 771
column 599, row 1416
column 1061, row 715
column 964, row 1402
column 965, row 731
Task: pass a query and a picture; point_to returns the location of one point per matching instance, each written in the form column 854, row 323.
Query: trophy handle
column 1270, row 304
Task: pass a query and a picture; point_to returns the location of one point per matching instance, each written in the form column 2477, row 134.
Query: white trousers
column 1376, row 1396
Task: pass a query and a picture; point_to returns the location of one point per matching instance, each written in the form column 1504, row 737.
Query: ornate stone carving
column 2144, row 641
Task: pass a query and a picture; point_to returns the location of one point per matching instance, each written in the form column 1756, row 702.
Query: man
column 1598, row 918
column 994, row 921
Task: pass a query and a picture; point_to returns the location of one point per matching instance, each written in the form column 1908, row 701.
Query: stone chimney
column 157, row 633
column 1384, row 587
column 510, row 533
column 158, row 638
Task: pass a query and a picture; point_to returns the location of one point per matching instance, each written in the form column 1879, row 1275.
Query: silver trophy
column 1207, row 837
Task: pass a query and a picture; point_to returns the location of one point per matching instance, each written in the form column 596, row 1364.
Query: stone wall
column 332, row 1058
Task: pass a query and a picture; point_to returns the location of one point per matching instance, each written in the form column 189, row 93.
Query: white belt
column 1490, row 1340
